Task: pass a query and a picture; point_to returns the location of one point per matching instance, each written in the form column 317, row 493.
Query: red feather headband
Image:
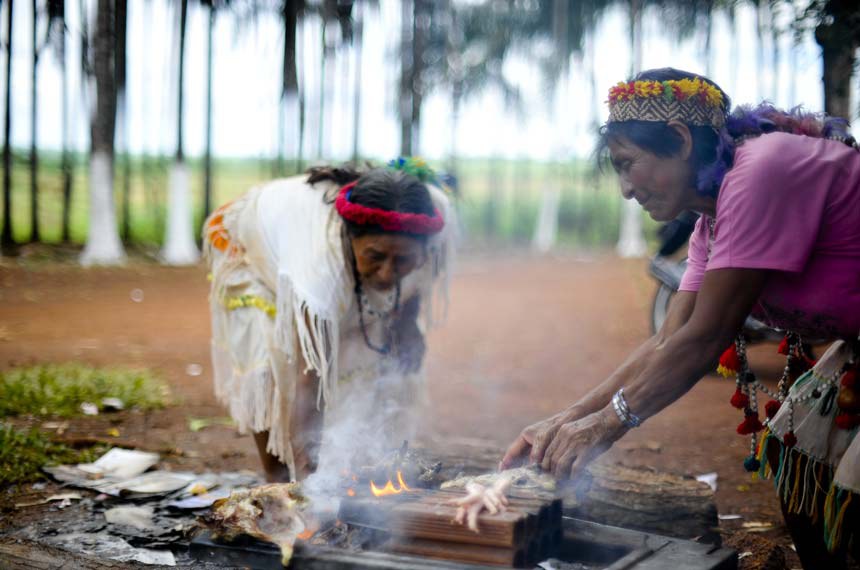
column 389, row 221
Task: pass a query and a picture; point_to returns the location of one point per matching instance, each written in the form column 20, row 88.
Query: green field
column 498, row 203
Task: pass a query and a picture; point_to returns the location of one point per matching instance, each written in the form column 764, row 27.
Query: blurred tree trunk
column 420, row 24
column 179, row 243
column 631, row 243
column 838, row 34
column 406, row 81
column 7, row 241
column 34, row 111
column 59, row 9
column 358, row 43
column 207, row 160
column 103, row 246
column 322, row 93
column 121, row 14
column 290, row 10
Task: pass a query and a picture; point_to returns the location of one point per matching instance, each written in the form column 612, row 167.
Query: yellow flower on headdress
column 713, row 95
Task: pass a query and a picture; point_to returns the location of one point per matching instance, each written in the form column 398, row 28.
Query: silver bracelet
column 622, row 410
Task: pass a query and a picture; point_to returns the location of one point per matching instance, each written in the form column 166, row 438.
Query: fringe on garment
column 316, row 336
column 805, row 486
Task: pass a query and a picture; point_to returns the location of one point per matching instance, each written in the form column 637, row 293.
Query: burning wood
column 270, row 512
column 411, row 466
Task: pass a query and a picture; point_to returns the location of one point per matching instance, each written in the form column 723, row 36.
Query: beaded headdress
column 693, row 101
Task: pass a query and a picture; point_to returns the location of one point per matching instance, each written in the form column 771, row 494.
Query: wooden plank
column 458, row 552
column 434, row 521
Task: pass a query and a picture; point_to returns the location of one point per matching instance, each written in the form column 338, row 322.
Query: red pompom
column 789, row 439
column 847, row 421
column 751, row 424
column 849, row 379
column 784, row 345
column 730, row 362
column 771, row 408
column 740, row 400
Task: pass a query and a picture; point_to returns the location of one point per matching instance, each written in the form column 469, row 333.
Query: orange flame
column 350, row 492
column 306, row 534
column 389, row 488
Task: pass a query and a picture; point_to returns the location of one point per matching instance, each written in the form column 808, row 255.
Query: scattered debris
column 104, row 545
column 112, row 432
column 197, row 424
column 136, row 295
column 62, row 497
column 755, row 526
column 137, row 517
column 194, row 369
column 729, row 517
column 89, row 409
column 710, row 479
column 121, row 463
column 112, row 405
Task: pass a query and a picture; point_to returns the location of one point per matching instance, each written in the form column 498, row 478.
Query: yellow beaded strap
column 692, row 101
column 242, row 301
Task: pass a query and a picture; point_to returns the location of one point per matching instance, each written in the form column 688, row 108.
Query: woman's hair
column 380, row 188
column 713, row 151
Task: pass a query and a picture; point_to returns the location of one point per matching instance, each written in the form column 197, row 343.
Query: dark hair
column 714, row 151
column 381, row 188
column 662, row 140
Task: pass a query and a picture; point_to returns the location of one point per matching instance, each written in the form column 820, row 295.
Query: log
column 661, row 503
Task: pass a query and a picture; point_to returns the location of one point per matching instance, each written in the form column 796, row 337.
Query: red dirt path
column 524, row 336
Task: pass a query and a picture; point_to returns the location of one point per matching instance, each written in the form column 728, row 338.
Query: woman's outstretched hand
column 530, row 445
column 565, row 443
column 578, row 443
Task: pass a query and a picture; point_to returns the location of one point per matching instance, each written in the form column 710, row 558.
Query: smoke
column 369, row 420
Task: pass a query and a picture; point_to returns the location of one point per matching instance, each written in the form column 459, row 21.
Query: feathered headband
column 692, row 101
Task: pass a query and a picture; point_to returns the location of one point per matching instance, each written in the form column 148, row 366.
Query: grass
column 24, row 452
column 499, row 198
column 60, row 389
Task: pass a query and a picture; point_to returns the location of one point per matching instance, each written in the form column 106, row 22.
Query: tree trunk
column 631, row 243
column 179, row 244
column 289, row 77
column 121, row 17
column 7, row 241
column 358, row 40
column 322, row 94
column 34, row 154
column 207, row 160
column 103, row 245
column 838, row 46
column 65, row 162
column 421, row 15
column 406, row 80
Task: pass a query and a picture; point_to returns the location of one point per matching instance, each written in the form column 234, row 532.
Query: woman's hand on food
column 576, row 444
column 530, row 445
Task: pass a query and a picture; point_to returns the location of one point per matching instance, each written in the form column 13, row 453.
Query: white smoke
column 369, row 420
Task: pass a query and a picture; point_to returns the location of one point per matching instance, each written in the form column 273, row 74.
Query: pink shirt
column 790, row 204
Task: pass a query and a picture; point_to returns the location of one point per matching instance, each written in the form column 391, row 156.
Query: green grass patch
column 60, row 389
column 24, row 452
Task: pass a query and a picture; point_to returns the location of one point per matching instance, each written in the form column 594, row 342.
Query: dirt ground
column 524, row 337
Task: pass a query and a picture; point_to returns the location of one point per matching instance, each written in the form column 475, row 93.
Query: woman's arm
column 408, row 337
column 534, row 439
column 669, row 371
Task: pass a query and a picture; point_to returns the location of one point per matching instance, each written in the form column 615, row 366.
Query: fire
column 350, row 492
column 389, row 488
column 306, row 534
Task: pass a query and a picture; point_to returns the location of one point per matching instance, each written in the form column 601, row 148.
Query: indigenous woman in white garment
column 318, row 282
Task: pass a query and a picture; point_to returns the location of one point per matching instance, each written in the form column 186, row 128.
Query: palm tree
column 34, row 155
column 57, row 29
column 7, row 241
column 103, row 245
column 179, row 243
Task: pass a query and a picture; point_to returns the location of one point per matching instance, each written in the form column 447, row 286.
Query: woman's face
column 661, row 185
column 382, row 260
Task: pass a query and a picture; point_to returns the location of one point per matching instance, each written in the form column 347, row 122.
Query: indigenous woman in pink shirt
column 779, row 236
